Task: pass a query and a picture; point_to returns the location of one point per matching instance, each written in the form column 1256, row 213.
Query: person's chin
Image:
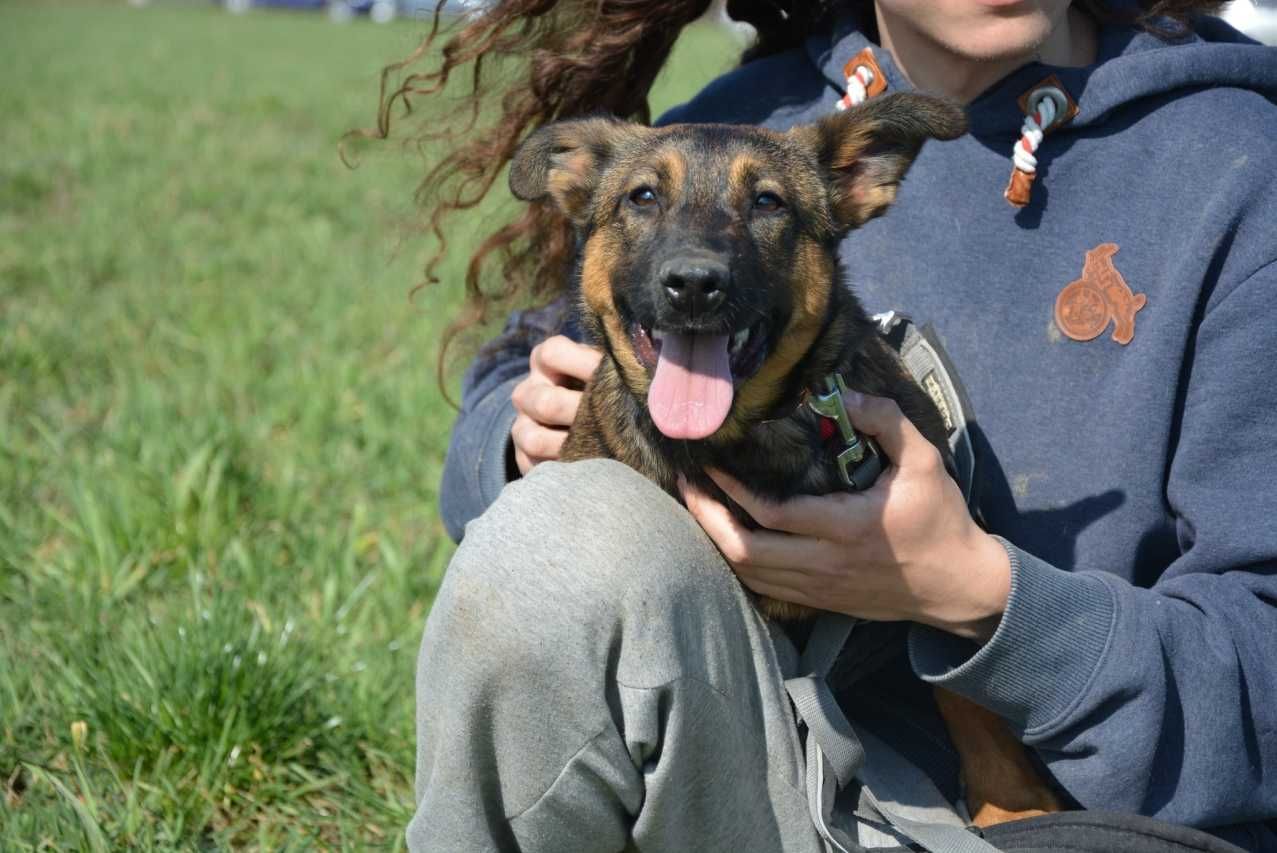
column 1001, row 41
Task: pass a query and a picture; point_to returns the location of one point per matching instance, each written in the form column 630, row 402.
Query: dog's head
column 709, row 252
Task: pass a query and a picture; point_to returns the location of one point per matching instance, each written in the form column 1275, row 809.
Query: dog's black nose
column 694, row 286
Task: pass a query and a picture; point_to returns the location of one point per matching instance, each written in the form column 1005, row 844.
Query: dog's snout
column 695, row 286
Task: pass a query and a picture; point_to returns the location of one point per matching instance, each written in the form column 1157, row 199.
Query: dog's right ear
column 867, row 149
column 564, row 160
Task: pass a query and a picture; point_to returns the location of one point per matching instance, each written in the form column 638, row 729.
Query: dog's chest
column 781, row 459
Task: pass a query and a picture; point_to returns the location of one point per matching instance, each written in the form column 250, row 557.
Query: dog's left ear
column 867, row 149
column 564, row 160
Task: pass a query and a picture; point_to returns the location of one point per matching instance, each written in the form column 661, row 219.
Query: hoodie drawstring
column 857, row 87
column 864, row 80
column 1046, row 107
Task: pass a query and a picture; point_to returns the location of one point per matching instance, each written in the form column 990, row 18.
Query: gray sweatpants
column 593, row 678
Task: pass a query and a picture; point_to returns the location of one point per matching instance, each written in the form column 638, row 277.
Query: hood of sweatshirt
column 1130, row 65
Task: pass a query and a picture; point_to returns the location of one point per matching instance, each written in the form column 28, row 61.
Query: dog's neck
column 836, row 348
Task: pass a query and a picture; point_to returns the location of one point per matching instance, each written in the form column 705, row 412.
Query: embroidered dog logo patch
column 1085, row 307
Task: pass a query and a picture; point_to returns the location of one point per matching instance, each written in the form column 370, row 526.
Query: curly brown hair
column 546, row 60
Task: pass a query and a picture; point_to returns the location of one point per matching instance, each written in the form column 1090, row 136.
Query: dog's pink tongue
column 691, row 391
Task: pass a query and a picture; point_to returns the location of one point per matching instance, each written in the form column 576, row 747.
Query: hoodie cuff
column 1052, row 639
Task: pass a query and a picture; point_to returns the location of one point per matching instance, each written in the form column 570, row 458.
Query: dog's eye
column 768, row 202
column 643, row 197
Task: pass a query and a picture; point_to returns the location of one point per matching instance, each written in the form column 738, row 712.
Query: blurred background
column 1256, row 18
column 220, row 432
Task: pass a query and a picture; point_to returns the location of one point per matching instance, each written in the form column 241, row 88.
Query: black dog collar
column 859, row 458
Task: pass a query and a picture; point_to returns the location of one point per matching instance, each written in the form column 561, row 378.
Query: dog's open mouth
column 695, row 374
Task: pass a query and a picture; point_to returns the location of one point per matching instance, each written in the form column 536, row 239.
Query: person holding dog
column 1097, row 254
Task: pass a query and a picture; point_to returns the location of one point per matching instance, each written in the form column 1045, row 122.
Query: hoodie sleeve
column 478, row 461
column 1160, row 700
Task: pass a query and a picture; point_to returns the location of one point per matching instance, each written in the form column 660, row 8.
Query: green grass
column 220, row 436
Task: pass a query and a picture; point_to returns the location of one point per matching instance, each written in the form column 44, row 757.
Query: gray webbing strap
column 934, row 837
column 815, row 702
column 834, row 748
column 925, row 358
column 901, row 787
column 898, row 791
column 909, row 801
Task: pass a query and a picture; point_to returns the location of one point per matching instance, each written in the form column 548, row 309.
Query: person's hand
column 906, row 548
column 547, row 400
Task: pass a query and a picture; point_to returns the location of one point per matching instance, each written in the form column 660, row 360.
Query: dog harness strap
column 896, row 792
column 932, row 836
column 925, row 358
column 815, row 702
column 832, row 748
column 836, row 757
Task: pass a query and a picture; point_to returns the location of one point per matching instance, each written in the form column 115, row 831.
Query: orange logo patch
column 1085, row 307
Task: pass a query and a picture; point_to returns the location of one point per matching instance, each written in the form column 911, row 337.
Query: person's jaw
column 961, row 47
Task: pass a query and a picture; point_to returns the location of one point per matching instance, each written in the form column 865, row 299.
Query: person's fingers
column 544, row 405
column 838, row 515
column 781, row 592
column 549, row 405
column 519, row 396
column 559, row 356
column 900, row 440
column 763, row 548
column 545, row 402
column 727, row 533
column 536, row 441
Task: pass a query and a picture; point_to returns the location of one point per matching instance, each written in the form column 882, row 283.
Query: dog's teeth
column 657, row 336
column 740, row 339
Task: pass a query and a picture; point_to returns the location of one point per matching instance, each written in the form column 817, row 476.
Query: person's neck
column 932, row 67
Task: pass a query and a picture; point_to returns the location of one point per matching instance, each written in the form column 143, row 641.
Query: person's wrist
column 986, row 568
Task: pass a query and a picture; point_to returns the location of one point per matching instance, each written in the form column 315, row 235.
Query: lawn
column 220, row 433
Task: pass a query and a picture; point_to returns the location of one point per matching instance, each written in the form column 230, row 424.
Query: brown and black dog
column 708, row 271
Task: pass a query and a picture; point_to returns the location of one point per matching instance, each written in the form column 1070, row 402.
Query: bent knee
column 597, row 515
column 589, row 566
column 588, row 530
